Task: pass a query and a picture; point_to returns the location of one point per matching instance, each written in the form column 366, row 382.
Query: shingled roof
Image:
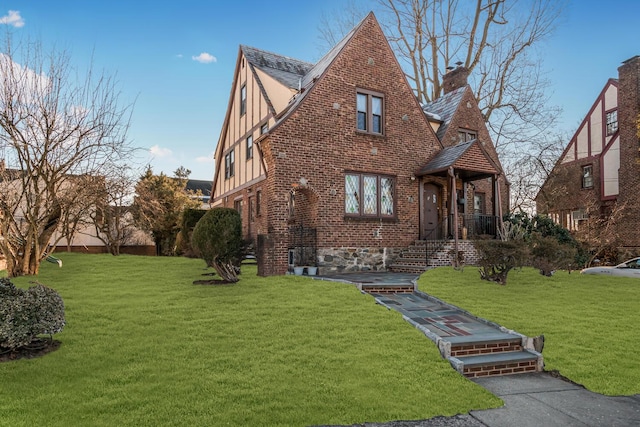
column 469, row 159
column 445, row 107
column 286, row 70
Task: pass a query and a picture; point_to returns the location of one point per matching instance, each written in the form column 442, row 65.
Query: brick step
column 479, row 345
column 507, row 363
column 387, row 288
column 402, row 268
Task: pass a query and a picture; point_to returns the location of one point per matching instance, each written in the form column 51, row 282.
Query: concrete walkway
column 532, row 399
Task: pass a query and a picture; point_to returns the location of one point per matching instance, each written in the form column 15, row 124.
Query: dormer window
column 370, row 107
column 612, row 122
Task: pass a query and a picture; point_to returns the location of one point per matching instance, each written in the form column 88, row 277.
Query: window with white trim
column 369, row 195
column 587, row 176
column 612, row 122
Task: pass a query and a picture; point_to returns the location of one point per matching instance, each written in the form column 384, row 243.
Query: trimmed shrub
column 217, row 239
column 25, row 314
column 188, row 221
column 499, row 257
column 548, row 254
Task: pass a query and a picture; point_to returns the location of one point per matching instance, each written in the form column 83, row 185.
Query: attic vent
column 579, row 215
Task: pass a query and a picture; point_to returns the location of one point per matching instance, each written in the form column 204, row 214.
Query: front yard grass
column 144, row 346
column 591, row 324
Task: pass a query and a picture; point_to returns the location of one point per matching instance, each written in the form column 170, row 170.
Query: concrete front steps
column 499, row 354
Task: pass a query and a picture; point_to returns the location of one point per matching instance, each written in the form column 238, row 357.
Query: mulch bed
column 37, row 348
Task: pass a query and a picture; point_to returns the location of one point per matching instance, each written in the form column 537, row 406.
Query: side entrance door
column 430, row 194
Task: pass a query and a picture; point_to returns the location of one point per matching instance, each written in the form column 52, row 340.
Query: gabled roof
column 314, row 74
column 288, row 71
column 469, row 159
column 444, row 107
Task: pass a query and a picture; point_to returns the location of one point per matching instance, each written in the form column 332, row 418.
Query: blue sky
column 176, row 59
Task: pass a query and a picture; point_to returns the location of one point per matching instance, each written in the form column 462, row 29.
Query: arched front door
column 430, row 203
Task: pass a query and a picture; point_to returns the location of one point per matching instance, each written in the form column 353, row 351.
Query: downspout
column 498, row 201
column 454, row 209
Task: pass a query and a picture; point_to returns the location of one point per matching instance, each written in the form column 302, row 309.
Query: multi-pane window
column 465, row 135
column 237, row 205
column 250, row 147
column 587, row 176
column 370, row 112
column 243, row 100
column 264, row 128
column 369, row 195
column 612, row 122
column 229, row 164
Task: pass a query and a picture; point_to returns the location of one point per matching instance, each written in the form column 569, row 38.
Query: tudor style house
column 337, row 165
column 600, row 167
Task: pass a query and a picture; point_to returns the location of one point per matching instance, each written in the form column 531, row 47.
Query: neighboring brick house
column 335, row 164
column 600, row 169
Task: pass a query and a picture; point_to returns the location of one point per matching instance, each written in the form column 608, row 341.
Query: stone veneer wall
column 355, row 259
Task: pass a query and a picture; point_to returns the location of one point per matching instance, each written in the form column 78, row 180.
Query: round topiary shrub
column 26, row 314
column 217, row 239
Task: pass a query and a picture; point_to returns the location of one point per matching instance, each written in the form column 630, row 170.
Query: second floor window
column 612, row 122
column 229, row 163
column 250, row 148
column 370, row 112
column 243, row 100
column 465, row 135
column 587, row 176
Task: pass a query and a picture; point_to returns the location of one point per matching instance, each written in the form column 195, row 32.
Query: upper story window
column 264, row 128
column 370, row 112
column 465, row 135
column 587, row 176
column 612, row 122
column 243, row 100
column 250, row 147
column 369, row 195
column 229, row 163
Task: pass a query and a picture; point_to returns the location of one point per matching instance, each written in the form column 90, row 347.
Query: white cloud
column 12, row 18
column 179, row 56
column 205, row 58
column 158, row 151
column 205, row 159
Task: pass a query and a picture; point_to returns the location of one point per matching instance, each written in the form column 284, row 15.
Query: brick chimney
column 629, row 172
column 455, row 79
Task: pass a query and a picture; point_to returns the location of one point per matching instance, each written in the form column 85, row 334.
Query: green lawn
column 144, row 346
column 591, row 324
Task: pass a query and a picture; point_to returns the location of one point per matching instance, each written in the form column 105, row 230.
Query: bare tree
column 496, row 40
column 56, row 124
column 112, row 217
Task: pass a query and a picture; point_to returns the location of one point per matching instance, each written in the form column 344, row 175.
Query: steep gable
column 589, row 139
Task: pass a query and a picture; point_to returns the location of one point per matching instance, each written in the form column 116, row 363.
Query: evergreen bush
column 26, row 314
column 217, row 239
